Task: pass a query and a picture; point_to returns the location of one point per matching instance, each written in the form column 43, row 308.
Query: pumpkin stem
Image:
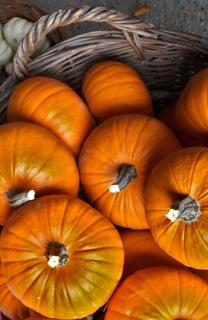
column 186, row 210
column 17, row 199
column 126, row 175
column 57, row 255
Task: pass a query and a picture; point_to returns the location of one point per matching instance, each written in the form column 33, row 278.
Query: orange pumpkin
column 141, row 252
column 9, row 305
column 64, row 252
column 33, row 161
column 191, row 109
column 115, row 162
column 160, row 293
column 53, row 105
column 177, row 206
column 113, row 88
column 167, row 115
column 39, row 317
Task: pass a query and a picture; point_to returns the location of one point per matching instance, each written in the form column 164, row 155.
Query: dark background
column 181, row 15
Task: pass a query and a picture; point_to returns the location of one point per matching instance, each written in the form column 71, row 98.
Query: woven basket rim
column 163, row 50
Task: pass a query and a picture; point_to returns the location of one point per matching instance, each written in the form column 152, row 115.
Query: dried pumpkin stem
column 57, row 255
column 126, row 175
column 17, row 199
column 186, row 210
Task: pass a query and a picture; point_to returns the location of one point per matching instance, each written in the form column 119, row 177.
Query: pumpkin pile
column 104, row 207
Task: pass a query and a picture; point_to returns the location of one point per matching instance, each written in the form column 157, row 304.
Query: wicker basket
column 25, row 9
column 165, row 59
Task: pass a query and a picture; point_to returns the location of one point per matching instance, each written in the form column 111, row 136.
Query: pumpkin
column 160, row 293
column 53, row 105
column 115, row 162
column 9, row 305
column 39, row 317
column 141, row 251
column 62, row 251
column 113, row 88
column 33, row 161
column 176, row 206
column 167, row 115
column 191, row 109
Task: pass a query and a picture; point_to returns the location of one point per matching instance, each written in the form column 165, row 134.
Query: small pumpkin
column 141, row 251
column 160, row 293
column 191, row 109
column 115, row 162
column 53, row 105
column 113, row 88
column 33, row 163
column 176, row 206
column 62, row 251
column 9, row 304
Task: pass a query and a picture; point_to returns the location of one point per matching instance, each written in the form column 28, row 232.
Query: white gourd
column 16, row 28
column 8, row 67
column 6, row 52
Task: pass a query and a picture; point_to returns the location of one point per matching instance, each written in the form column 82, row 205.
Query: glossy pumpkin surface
column 175, row 179
column 192, row 107
column 32, row 158
column 141, row 251
column 53, row 105
column 90, row 274
column 160, row 293
column 9, row 304
column 113, row 88
column 135, row 140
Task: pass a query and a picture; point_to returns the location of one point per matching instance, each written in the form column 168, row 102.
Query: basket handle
column 62, row 18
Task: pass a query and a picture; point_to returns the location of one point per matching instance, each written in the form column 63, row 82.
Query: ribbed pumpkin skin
column 160, row 293
column 32, row 158
column 129, row 139
column 167, row 115
column 112, row 88
column 95, row 257
column 53, row 105
column 9, row 305
column 191, row 112
column 141, row 252
column 181, row 174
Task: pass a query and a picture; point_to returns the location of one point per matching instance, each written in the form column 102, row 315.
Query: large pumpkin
column 141, row 251
column 9, row 304
column 64, row 252
column 160, row 293
column 115, row 162
column 191, row 112
column 53, row 105
column 177, row 206
column 113, row 88
column 33, row 161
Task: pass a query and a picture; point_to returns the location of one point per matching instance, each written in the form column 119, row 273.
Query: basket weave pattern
column 165, row 59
